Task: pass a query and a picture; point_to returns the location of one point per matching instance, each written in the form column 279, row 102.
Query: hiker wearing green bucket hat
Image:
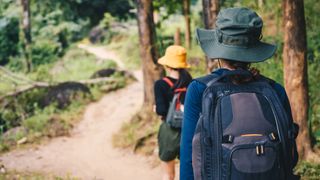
column 169, row 97
column 237, row 124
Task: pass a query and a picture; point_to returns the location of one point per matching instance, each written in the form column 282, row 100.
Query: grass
column 139, row 135
column 77, row 64
column 127, row 47
column 50, row 121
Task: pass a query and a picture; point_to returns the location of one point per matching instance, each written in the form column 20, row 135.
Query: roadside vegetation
column 47, row 99
column 39, row 113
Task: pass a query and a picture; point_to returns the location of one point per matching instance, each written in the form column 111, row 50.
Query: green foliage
column 20, row 107
column 39, row 120
column 77, row 64
column 45, row 52
column 85, row 9
column 107, row 20
column 167, row 7
column 127, row 46
column 273, row 68
column 313, row 77
column 308, row 171
column 9, row 38
column 53, row 26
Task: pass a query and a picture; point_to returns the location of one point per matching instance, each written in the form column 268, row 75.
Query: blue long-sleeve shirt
column 192, row 109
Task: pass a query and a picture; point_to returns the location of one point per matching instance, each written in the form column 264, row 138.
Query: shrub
column 9, row 38
column 15, row 109
column 45, row 51
column 308, row 170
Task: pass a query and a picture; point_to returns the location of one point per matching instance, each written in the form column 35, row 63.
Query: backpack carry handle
column 229, row 73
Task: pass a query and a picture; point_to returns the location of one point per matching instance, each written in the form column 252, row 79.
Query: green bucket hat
column 236, row 37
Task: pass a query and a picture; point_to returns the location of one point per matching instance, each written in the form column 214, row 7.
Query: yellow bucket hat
column 175, row 57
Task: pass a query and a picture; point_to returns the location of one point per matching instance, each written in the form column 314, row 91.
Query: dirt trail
column 88, row 152
column 102, row 53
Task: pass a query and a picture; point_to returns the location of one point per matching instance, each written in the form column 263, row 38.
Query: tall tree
column 210, row 12
column 26, row 28
column 295, row 70
column 148, row 51
column 177, row 38
column 186, row 13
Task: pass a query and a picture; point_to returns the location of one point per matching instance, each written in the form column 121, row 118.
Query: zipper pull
column 257, row 150
column 260, row 149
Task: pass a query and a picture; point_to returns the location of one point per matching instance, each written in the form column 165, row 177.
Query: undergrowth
column 139, row 134
column 23, row 120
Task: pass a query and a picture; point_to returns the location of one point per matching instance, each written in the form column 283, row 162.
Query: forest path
column 88, row 153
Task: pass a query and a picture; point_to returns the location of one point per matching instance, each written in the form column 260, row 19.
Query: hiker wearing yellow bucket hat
column 175, row 57
column 169, row 97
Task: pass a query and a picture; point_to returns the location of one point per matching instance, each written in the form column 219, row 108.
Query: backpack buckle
column 273, row 136
column 227, row 139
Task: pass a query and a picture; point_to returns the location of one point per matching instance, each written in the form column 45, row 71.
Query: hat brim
column 164, row 61
column 214, row 49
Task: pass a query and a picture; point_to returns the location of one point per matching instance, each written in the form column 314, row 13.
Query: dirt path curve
column 102, row 53
column 88, row 152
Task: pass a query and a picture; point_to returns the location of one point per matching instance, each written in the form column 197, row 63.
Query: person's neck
column 228, row 68
column 174, row 75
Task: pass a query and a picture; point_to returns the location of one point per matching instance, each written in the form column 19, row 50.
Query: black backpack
column 175, row 115
column 243, row 132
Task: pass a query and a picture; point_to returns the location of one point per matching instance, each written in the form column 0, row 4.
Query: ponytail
column 184, row 79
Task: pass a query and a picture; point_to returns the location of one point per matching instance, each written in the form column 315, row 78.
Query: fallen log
column 46, row 84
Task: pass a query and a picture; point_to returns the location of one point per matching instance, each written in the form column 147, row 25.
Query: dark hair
column 184, row 79
column 238, row 79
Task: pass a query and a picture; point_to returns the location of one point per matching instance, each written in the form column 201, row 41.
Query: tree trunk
column 186, row 12
column 295, row 70
column 210, row 12
column 177, row 38
column 148, row 51
column 26, row 28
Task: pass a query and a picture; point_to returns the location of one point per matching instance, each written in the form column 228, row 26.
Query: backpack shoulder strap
column 206, row 79
column 180, row 90
column 168, row 81
column 213, row 78
column 268, row 80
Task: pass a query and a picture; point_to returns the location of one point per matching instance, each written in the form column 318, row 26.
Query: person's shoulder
column 196, row 87
column 207, row 78
column 276, row 86
column 161, row 83
column 279, row 89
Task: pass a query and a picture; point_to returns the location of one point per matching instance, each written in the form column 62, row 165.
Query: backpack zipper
column 217, row 133
column 280, row 135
